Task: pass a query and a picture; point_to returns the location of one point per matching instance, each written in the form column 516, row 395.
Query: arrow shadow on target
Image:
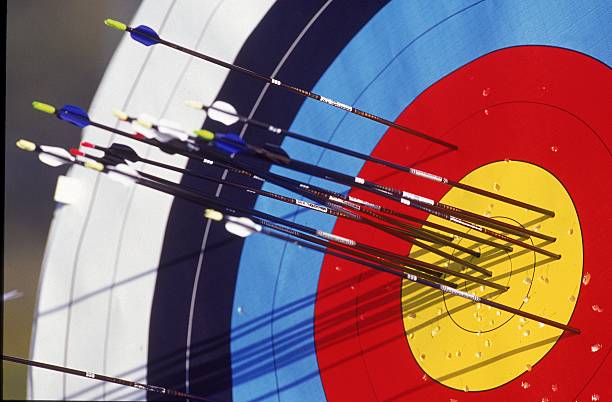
column 295, row 343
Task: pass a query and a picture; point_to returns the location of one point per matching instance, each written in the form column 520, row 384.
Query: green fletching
column 43, row 107
column 115, row 24
column 205, row 134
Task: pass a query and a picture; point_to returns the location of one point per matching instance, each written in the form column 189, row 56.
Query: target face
column 522, row 89
column 449, row 345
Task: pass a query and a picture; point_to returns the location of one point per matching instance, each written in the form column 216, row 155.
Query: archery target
column 263, row 320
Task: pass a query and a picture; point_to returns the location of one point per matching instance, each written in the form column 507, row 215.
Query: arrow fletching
column 145, row 35
column 242, row 227
column 230, row 143
column 73, row 115
column 124, row 151
column 54, row 156
column 223, row 112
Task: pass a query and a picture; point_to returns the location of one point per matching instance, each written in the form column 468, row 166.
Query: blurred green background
column 56, row 51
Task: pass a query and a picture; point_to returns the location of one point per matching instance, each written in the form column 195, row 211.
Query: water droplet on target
column 528, row 367
column 338, row 268
column 595, row 397
column 466, row 389
column 411, row 336
column 527, row 281
column 570, row 231
column 458, row 354
column 572, row 298
column 554, row 148
column 526, row 332
column 525, row 384
column 545, row 399
column 487, row 343
column 486, row 91
column 554, row 388
column 422, row 356
column 412, row 315
column 496, row 187
column 239, row 310
column 596, row 348
column 478, row 355
column 486, row 112
column 597, row 309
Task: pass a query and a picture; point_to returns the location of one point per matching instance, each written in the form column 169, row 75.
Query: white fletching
column 166, row 134
column 241, row 227
column 54, row 156
column 116, row 174
column 217, row 112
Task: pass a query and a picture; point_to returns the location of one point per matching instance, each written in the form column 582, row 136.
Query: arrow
column 467, row 218
column 448, row 290
column 147, row 36
column 78, row 117
column 403, row 231
column 415, row 277
column 227, row 114
column 200, row 199
column 163, row 130
column 145, row 387
column 411, row 233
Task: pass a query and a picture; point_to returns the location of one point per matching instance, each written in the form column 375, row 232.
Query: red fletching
column 76, row 152
column 87, row 144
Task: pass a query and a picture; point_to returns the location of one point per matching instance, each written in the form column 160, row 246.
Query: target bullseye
column 469, row 346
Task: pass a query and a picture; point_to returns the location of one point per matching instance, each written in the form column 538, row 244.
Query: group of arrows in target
column 218, row 151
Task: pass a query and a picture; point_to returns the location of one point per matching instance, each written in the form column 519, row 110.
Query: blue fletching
column 230, row 137
column 74, row 115
column 230, row 143
column 145, row 35
column 227, row 147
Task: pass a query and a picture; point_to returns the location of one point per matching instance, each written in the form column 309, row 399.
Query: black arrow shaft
column 298, row 91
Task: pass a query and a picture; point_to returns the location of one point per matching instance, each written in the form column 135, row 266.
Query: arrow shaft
column 197, row 197
column 462, row 294
column 412, row 171
column 299, row 91
column 79, row 373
